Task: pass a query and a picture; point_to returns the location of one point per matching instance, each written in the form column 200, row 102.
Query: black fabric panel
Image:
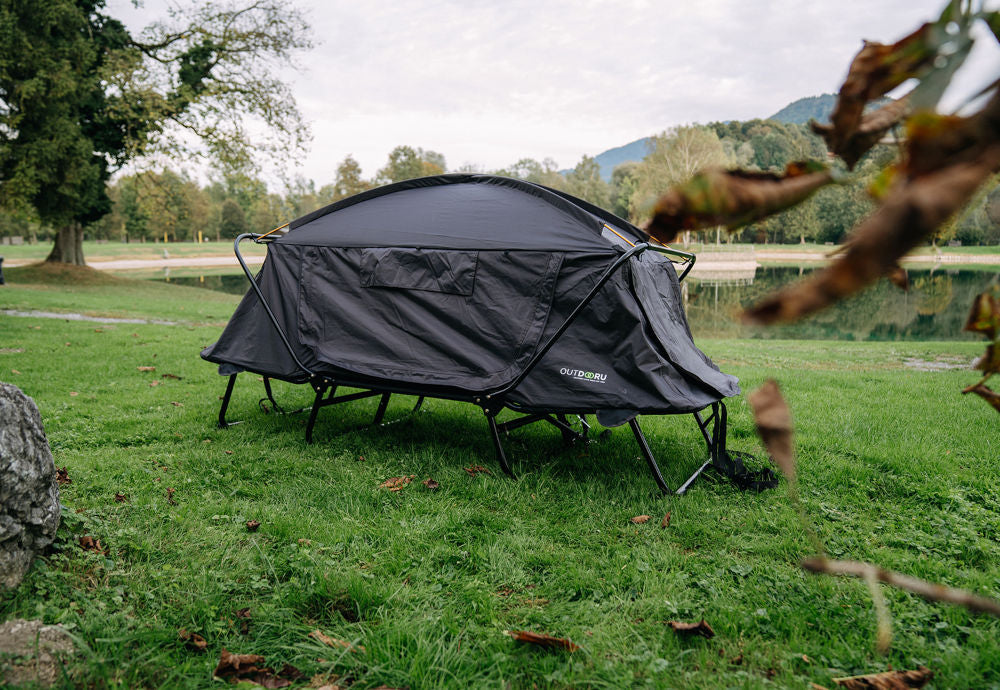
column 451, row 272
column 609, row 359
column 250, row 339
column 469, row 342
column 453, row 212
column 655, row 282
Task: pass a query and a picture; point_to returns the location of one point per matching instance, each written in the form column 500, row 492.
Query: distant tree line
column 151, row 206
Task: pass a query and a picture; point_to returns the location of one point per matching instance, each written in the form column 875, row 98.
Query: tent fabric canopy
column 451, row 285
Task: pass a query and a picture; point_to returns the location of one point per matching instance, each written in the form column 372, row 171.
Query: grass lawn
column 896, row 467
column 92, row 251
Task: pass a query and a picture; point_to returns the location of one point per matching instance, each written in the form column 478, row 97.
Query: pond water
column 935, row 308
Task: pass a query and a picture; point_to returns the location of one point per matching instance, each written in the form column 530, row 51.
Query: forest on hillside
column 170, row 204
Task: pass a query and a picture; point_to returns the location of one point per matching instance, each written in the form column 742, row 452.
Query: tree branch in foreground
column 928, row 590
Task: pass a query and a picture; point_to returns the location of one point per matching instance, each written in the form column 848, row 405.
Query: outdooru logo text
column 581, row 375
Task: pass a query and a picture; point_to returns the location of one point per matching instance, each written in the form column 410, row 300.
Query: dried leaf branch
column 984, row 317
column 733, row 198
column 928, row 590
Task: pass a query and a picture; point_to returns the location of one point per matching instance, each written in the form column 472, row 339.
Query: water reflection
column 935, row 308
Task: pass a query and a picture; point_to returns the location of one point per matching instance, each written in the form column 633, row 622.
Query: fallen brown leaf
column 431, row 484
column 170, row 495
column 335, row 642
column 665, row 522
column 249, row 667
column 889, row 680
column 688, row 629
column 146, row 368
column 774, row 425
column 73, row 394
column 192, row 641
column 62, row 476
column 177, row 404
column 252, row 525
column 88, row 543
column 476, row 469
column 639, row 519
column 14, row 371
column 121, row 498
column 243, row 616
column 170, row 376
column 396, row 483
column 153, row 384
column 543, row 640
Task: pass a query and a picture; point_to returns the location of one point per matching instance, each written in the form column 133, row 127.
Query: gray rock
column 31, row 652
column 29, row 496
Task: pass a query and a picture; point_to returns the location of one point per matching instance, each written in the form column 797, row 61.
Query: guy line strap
column 272, row 231
column 630, row 242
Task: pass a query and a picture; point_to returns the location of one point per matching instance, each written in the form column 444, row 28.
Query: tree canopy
column 80, row 97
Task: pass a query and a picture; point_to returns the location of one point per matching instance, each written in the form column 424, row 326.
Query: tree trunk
column 68, row 248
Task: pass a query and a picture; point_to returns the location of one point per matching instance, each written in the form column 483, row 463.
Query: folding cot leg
column 382, row 405
column 225, row 402
column 416, row 408
column 497, row 446
column 317, row 403
column 270, row 396
column 648, row 454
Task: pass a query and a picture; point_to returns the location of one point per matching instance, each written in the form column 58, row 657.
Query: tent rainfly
column 493, row 291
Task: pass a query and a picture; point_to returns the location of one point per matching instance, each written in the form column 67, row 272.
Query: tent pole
column 225, row 402
column 497, row 445
column 380, row 412
column 648, row 454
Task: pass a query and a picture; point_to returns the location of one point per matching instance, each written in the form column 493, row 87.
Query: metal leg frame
column 225, row 402
column 329, row 391
column 491, row 421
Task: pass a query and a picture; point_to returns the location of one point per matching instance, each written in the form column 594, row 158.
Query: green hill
column 800, row 112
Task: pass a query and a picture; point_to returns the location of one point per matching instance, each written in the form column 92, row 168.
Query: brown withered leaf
column 177, row 404
column 543, row 640
column 153, row 384
column 335, row 642
column 396, row 483
column 911, row 212
column 876, row 69
column 870, row 129
column 62, row 476
column 690, row 629
column 253, row 525
column 986, row 393
column 665, row 522
column 984, row 315
column 73, row 394
column 121, row 498
column 431, row 484
column 476, row 469
column 733, row 198
column 170, row 376
column 990, row 361
column 88, row 543
column 249, row 667
column 170, row 495
column 146, row 368
column 192, row 641
column 243, row 616
column 639, row 519
column 898, row 276
column 889, row 680
column 774, row 425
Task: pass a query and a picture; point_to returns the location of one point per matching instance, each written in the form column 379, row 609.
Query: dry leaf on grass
column 121, row 498
column 146, row 368
column 249, row 667
column 639, row 519
column 170, row 495
column 543, row 640
column 243, row 616
column 192, row 641
column 170, row 376
column 397, row 483
column 431, row 484
column 88, row 543
column 177, row 404
column 73, row 394
column 689, row 629
column 665, row 522
column 476, row 469
column 335, row 642
column 62, row 476
column 252, row 525
column 890, row 680
column 153, row 384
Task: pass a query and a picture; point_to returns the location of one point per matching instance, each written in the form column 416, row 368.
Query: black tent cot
column 483, row 289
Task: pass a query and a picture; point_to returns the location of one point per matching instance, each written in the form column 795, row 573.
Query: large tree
column 80, row 97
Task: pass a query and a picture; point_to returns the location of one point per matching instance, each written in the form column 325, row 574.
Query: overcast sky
column 486, row 82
